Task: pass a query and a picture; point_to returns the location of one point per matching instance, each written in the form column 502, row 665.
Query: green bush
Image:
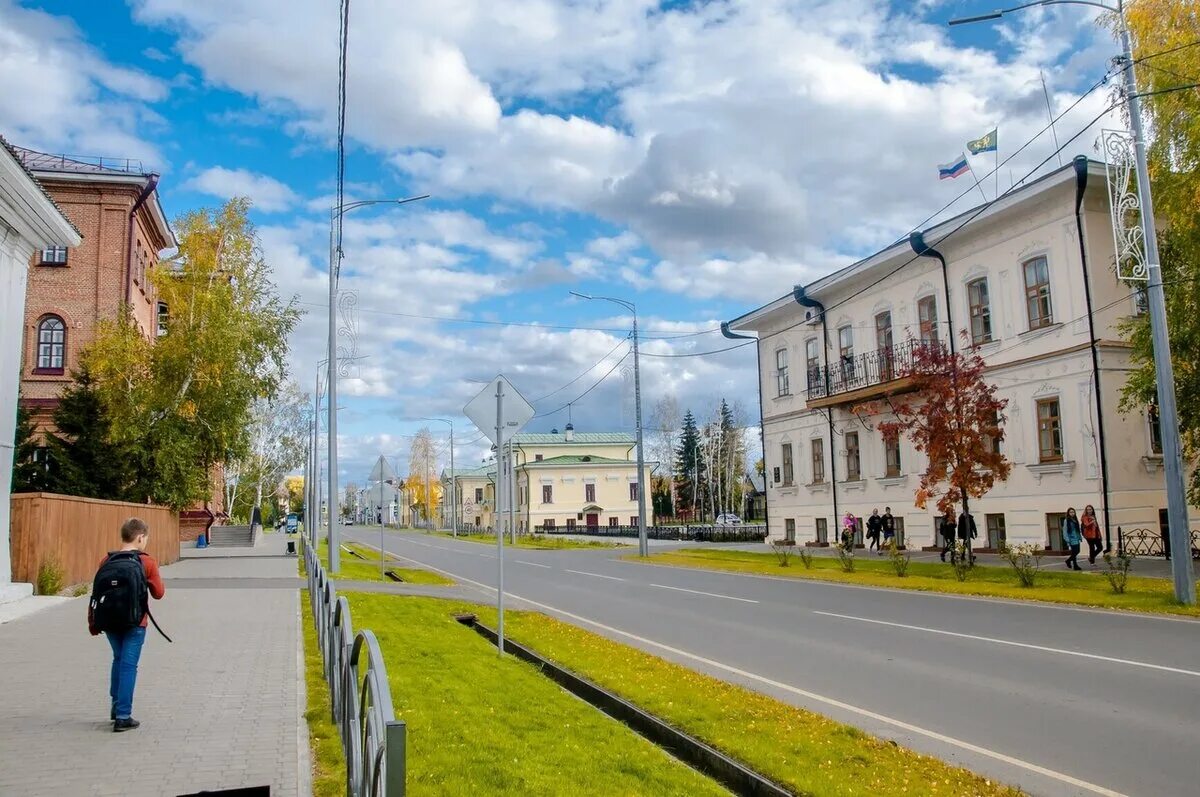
column 806, row 558
column 50, row 577
column 1117, row 570
column 783, row 552
column 1026, row 559
column 899, row 559
column 845, row 556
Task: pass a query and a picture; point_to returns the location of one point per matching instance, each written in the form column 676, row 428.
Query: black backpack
column 120, row 594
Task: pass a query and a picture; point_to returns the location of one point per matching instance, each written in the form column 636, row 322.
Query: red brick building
column 115, row 205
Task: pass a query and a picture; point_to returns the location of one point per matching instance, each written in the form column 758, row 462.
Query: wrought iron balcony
column 864, row 376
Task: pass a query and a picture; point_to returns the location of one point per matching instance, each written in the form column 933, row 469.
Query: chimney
column 569, row 433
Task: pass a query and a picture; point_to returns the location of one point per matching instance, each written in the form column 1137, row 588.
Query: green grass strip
column 328, row 762
column 1081, row 589
column 803, row 751
column 535, row 541
column 367, row 569
column 482, row 725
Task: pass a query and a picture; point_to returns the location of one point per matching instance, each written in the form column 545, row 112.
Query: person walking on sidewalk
column 967, row 531
column 874, row 528
column 889, row 528
column 849, row 531
column 947, row 528
column 1072, row 537
column 1090, row 528
column 120, row 607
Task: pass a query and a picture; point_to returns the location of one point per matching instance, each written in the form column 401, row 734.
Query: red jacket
column 153, row 581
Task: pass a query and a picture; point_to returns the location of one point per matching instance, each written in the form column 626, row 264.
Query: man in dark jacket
column 967, row 531
column 874, row 529
column 889, row 527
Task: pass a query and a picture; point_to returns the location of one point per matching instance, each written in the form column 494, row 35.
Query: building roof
column 15, row 152
column 482, row 472
column 536, row 438
column 934, row 236
column 578, row 459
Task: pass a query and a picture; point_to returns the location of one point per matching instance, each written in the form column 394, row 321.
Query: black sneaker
column 127, row 724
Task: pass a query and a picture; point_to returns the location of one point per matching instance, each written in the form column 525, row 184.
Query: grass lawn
column 328, row 762
column 1084, row 589
column 482, row 725
column 803, row 751
column 367, row 569
column 536, row 541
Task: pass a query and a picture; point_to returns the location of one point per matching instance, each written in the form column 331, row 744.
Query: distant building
column 563, row 481
column 1031, row 284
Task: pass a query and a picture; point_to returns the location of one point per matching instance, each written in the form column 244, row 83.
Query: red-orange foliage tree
column 953, row 416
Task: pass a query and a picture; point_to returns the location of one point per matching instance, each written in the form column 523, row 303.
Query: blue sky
column 697, row 158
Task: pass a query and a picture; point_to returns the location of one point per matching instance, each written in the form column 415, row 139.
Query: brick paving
column 220, row 708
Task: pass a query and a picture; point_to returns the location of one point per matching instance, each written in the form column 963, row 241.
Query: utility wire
column 343, row 40
column 595, row 385
column 702, row 353
column 590, row 368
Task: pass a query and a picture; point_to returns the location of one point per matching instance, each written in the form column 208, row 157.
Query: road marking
column 829, row 701
column 709, row 594
column 595, row 575
column 1011, row 643
column 531, row 564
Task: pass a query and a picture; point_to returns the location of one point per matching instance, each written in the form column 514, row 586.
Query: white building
column 1030, row 280
column 29, row 221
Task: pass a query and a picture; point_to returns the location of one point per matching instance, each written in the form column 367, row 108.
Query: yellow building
column 564, row 480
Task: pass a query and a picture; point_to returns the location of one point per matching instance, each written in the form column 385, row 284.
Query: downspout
column 762, row 431
column 151, row 184
column 1081, row 177
column 805, row 301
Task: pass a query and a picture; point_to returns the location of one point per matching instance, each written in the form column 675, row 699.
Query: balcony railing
column 877, row 367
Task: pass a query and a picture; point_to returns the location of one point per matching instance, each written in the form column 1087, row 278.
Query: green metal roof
column 537, row 438
column 581, row 459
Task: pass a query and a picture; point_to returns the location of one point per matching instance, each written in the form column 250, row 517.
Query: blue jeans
column 127, row 649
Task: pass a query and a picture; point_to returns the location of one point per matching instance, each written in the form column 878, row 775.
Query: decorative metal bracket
column 348, row 313
column 1125, row 206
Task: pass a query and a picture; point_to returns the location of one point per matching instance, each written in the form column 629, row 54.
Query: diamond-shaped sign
column 514, row 409
column 382, row 471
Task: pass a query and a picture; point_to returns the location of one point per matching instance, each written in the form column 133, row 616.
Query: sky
column 697, row 159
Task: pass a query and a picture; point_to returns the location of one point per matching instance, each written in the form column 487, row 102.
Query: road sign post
column 381, row 473
column 499, row 411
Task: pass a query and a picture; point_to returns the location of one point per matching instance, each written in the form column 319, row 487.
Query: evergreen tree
column 30, row 473
column 689, row 466
column 86, row 462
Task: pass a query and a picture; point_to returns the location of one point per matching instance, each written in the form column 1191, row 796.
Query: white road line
column 1011, row 643
column 1061, row 777
column 595, row 575
column 709, row 594
column 531, row 564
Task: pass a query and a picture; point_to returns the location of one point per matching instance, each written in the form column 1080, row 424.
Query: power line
column 595, row 385
column 590, row 368
column 343, row 41
column 702, row 353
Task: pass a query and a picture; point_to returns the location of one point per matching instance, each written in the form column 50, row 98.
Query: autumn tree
column 423, row 486
column 184, row 403
column 295, row 489
column 953, row 416
column 278, row 436
column 1163, row 33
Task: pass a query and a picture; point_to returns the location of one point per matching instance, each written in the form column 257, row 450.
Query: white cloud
column 268, row 194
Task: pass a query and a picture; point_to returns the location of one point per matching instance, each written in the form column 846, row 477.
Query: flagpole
column 997, row 151
column 977, row 185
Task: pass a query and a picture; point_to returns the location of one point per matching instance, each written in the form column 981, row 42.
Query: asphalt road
column 1058, row 701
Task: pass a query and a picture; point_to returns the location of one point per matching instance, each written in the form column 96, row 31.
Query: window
column 1054, row 531
column 1155, row 431
column 788, row 470
column 883, row 344
column 54, row 256
column 822, row 531
column 812, row 363
column 789, row 529
column 846, row 351
column 537, row 457
column 163, row 315
column 818, row 461
column 570, row 523
column 589, row 493
column 891, row 455
column 633, row 491
column 547, row 494
column 51, row 345
column 1050, row 439
column 1037, row 293
column 996, row 534
column 548, row 524
column 633, row 521
column 612, row 522
column 928, row 318
column 993, row 441
column 981, row 311
column 782, row 388
column 853, row 460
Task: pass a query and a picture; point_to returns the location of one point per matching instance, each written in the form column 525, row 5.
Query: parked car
column 728, row 520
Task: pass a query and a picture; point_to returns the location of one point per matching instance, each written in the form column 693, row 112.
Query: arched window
column 51, row 344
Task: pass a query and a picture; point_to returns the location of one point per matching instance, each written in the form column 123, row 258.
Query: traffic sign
column 515, row 410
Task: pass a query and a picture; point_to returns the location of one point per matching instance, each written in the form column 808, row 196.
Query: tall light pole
column 453, row 478
column 643, row 548
column 335, row 266
column 1168, row 417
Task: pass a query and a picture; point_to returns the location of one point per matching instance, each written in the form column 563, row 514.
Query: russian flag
column 955, row 168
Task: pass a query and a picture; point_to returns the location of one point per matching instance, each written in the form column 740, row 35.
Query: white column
column 15, row 254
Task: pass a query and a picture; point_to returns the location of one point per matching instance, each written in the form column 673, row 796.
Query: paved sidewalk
column 220, row 708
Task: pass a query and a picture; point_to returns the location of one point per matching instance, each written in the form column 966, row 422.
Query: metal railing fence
column 696, row 533
column 373, row 740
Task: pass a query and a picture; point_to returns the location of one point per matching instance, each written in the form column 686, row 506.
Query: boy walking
column 119, row 607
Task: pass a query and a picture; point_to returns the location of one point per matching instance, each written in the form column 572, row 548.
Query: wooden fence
column 79, row 531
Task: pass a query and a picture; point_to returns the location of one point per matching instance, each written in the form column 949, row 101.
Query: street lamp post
column 335, row 265
column 643, row 548
column 453, row 478
column 1177, row 509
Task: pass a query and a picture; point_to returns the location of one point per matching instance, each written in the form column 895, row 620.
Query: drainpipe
column 1081, row 177
column 762, row 431
column 804, row 300
column 917, row 241
column 151, row 184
